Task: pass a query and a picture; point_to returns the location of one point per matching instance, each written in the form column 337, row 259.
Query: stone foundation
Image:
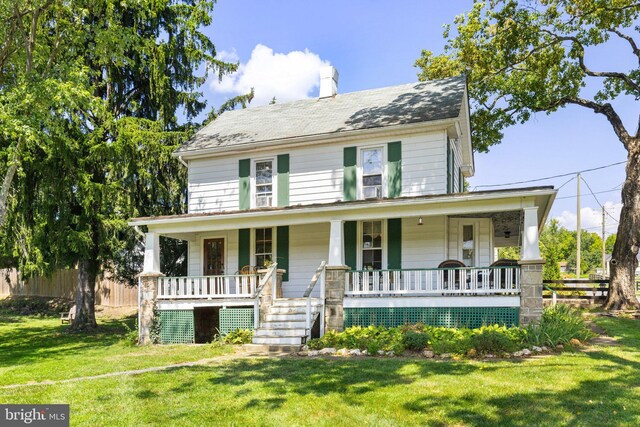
column 335, row 281
column 530, row 291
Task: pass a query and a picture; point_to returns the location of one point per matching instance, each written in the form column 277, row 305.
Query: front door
column 213, row 257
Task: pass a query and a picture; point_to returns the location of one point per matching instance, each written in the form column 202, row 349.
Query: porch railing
column 226, row 286
column 434, row 282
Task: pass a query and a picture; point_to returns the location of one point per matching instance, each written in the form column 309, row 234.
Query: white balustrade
column 434, row 282
column 207, row 287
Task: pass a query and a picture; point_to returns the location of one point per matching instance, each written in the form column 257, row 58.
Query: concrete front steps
column 285, row 323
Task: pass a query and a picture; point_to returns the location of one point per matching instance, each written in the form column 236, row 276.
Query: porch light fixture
column 507, row 234
column 420, row 222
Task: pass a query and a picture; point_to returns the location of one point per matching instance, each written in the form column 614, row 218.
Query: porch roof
column 429, row 205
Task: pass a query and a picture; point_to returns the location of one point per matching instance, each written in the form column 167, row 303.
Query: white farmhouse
column 348, row 209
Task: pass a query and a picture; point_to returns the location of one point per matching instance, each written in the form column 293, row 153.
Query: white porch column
column 151, row 253
column 336, row 244
column 530, row 244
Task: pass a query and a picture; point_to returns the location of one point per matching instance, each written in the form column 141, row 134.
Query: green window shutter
column 283, row 180
column 449, row 168
column 282, row 250
column 245, row 185
column 394, row 155
column 244, row 247
column 460, row 181
column 351, row 244
column 394, row 244
column 350, row 175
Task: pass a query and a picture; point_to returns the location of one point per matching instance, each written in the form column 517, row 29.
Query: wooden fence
column 63, row 284
column 592, row 291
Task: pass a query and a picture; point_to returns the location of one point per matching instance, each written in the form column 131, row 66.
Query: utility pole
column 578, row 237
column 604, row 257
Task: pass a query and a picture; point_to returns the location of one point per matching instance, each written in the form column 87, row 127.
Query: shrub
column 559, row 325
column 238, row 336
column 415, row 341
column 492, row 341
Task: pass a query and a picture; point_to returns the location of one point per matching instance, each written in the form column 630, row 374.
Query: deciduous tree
column 523, row 57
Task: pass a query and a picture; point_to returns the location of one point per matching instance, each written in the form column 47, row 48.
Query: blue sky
column 374, row 43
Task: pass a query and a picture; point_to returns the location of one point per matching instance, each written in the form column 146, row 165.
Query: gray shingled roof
column 389, row 106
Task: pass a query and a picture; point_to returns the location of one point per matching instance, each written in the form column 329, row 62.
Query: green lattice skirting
column 176, row 326
column 471, row 317
column 235, row 318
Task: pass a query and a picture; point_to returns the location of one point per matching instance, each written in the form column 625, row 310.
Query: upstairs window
column 264, row 183
column 372, row 167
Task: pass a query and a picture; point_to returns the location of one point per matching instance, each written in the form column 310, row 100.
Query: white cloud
column 591, row 219
column 288, row 77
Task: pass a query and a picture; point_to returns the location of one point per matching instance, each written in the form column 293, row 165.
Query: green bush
column 238, row 336
column 415, row 341
column 492, row 341
column 559, row 325
column 371, row 338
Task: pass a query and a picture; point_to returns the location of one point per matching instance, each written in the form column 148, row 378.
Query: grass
column 600, row 386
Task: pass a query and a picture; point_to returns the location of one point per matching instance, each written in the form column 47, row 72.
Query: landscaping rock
column 575, row 342
column 355, row 352
column 518, row 353
column 445, row 355
column 428, row 354
column 313, row 353
column 536, row 349
column 489, row 356
column 560, row 346
column 526, row 352
column 545, row 348
column 365, row 353
column 327, row 351
column 380, row 352
column 472, row 352
column 342, row 352
column 303, row 353
column 305, row 348
column 390, row 353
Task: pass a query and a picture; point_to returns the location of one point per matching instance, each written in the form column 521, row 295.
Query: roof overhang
column 433, row 205
column 342, row 136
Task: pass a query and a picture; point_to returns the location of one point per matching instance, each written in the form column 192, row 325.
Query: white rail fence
column 228, row 286
column 435, row 282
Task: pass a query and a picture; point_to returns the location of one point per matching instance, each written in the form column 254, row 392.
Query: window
column 264, row 183
column 371, row 245
column 468, row 246
column 372, row 166
column 264, row 246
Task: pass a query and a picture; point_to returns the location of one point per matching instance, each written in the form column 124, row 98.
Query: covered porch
column 383, row 253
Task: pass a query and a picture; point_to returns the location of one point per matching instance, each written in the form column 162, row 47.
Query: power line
column 586, row 194
column 550, row 177
column 598, row 201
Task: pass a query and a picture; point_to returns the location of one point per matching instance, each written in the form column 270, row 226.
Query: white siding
column 317, row 171
column 424, row 164
column 213, row 184
column 484, row 245
column 308, row 246
column 423, row 246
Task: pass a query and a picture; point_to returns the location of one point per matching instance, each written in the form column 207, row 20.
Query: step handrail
column 319, row 275
column 271, row 273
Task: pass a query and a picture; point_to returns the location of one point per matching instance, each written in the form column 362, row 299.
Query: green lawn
column 597, row 387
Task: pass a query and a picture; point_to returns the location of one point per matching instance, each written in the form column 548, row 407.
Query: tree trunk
column 85, row 317
column 624, row 261
column 6, row 186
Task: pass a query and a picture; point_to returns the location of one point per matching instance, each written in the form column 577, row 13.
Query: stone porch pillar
column 335, row 279
column 335, row 282
column 148, row 287
column 148, row 292
column 530, row 270
column 530, row 291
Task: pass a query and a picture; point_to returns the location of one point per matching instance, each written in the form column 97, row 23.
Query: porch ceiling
column 477, row 204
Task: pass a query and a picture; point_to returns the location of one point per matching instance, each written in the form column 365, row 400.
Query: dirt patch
column 105, row 312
